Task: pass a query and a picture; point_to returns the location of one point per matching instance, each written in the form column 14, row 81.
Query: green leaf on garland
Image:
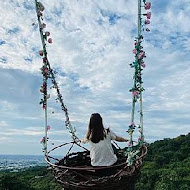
column 45, row 37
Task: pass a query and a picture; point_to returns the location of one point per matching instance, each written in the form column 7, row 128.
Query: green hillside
column 166, row 167
column 35, row 178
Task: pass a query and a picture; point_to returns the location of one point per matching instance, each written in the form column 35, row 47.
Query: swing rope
column 48, row 73
column 137, row 89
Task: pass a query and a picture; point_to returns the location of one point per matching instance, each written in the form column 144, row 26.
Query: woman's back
column 102, row 153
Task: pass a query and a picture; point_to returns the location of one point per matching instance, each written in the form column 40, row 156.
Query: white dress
column 102, row 153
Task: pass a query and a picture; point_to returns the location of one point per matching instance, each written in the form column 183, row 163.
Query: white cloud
column 3, row 124
column 92, row 47
column 6, row 139
column 7, row 106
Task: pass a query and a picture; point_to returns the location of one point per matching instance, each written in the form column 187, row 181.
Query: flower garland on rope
column 48, row 73
column 137, row 88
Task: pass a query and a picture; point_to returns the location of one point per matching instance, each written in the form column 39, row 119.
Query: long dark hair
column 96, row 130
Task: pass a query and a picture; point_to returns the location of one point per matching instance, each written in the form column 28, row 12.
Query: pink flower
column 48, row 128
column 132, row 124
column 42, row 140
column 40, row 13
column 129, row 144
column 135, row 93
column 147, row 5
column 147, row 22
column 134, row 51
column 41, row 52
column 44, row 107
column 143, row 65
column 148, row 15
column 50, row 40
column 147, row 29
column 44, row 59
column 141, row 55
column 139, row 139
column 43, row 25
column 47, row 33
column 135, row 43
column 45, row 70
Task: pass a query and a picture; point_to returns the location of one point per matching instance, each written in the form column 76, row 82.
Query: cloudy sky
column 91, row 51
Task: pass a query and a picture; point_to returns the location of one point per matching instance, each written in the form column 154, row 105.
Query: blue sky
column 91, row 51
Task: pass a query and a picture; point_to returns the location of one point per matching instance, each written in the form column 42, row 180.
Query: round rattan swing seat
column 75, row 172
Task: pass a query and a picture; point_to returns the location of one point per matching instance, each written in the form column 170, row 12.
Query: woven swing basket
column 74, row 172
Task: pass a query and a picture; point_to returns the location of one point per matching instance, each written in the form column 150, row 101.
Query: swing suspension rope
column 136, row 90
column 137, row 87
column 48, row 73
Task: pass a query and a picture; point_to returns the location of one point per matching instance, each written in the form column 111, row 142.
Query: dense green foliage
column 166, row 167
column 36, row 178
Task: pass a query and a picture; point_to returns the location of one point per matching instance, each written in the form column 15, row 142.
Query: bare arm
column 121, row 139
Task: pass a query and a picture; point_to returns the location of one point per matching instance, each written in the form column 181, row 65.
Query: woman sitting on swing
column 101, row 151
